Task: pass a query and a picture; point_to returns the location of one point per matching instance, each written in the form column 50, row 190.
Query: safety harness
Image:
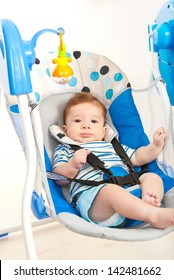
column 128, row 180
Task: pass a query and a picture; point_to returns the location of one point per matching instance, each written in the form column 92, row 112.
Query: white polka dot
column 91, row 63
column 97, row 87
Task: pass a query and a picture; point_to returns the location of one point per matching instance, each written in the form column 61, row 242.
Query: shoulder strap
column 91, row 158
column 123, row 155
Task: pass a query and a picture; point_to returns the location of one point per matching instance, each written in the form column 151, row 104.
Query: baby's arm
column 71, row 168
column 150, row 152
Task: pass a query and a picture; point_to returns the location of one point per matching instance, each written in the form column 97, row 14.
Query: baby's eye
column 77, row 120
column 94, row 121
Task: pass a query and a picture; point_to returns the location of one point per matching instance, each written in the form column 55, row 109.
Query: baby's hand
column 79, row 158
column 159, row 137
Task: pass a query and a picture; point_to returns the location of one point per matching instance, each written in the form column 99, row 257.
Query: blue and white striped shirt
column 103, row 150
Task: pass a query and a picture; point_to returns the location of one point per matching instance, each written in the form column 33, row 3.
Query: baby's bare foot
column 152, row 198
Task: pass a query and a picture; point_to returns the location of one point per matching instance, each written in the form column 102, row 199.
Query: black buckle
column 111, row 178
column 129, row 180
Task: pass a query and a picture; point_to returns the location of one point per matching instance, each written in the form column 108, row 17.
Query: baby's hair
column 83, row 97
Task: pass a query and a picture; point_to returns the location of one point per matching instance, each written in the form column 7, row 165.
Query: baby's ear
column 110, row 132
column 105, row 129
column 64, row 128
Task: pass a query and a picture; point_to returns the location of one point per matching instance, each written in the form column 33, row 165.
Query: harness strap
column 131, row 179
column 121, row 152
column 118, row 180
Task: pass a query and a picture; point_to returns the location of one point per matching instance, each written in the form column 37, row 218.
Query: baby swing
column 36, row 92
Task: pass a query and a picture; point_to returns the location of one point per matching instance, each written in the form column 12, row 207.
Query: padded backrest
column 92, row 72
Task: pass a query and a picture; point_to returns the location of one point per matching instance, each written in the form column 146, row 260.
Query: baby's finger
column 88, row 152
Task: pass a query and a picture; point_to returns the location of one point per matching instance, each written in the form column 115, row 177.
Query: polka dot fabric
column 92, row 73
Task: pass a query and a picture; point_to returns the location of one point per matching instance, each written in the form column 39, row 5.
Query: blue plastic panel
column 14, row 54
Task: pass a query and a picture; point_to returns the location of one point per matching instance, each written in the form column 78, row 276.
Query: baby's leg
column 113, row 199
column 152, row 188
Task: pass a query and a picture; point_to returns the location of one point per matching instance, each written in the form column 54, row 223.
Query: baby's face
column 85, row 123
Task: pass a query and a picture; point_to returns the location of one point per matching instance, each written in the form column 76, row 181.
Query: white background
column 114, row 28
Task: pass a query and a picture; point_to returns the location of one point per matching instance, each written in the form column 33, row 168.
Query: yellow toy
column 62, row 71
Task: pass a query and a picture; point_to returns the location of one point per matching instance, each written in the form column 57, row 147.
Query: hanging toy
column 63, row 72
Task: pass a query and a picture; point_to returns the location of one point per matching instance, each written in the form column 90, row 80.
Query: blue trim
column 2, row 48
column 17, row 64
column 14, row 109
column 4, row 234
column 38, row 206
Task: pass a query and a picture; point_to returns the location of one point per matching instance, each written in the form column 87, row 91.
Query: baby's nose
column 86, row 125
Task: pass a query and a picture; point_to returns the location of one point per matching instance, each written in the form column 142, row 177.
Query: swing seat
column 100, row 76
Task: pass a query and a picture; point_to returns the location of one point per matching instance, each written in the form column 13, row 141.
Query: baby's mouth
column 85, row 135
